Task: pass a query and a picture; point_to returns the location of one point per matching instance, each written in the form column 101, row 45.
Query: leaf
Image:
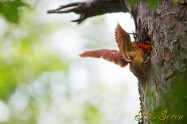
column 153, row 4
column 175, row 1
column 10, row 10
column 132, row 2
column 92, row 115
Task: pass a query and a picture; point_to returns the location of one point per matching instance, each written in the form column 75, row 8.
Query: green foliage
column 10, row 9
column 24, row 63
column 23, row 53
column 175, row 1
column 92, row 115
column 152, row 3
column 27, row 60
column 132, row 2
column 178, row 99
column 39, row 83
column 175, row 101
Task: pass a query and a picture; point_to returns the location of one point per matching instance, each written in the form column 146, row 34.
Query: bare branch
column 91, row 8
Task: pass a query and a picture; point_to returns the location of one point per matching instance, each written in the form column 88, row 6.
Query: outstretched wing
column 109, row 55
column 124, row 42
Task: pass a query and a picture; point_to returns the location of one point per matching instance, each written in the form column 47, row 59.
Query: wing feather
column 109, row 55
column 124, row 42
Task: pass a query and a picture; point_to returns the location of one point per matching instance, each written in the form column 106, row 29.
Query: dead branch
column 91, row 8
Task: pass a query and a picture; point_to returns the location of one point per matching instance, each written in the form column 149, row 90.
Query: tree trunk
column 164, row 99
column 165, row 93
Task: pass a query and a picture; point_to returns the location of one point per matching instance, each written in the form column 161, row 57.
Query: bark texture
column 166, row 28
column 92, row 8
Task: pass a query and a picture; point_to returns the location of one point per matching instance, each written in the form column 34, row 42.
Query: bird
column 131, row 53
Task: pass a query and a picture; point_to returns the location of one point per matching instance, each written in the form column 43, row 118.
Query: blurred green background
column 44, row 81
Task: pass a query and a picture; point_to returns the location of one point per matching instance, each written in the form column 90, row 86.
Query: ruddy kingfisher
column 131, row 53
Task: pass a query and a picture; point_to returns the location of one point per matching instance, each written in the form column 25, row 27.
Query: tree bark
column 92, row 8
column 166, row 28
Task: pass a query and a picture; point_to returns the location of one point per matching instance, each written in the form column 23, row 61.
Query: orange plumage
column 129, row 53
column 109, row 55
